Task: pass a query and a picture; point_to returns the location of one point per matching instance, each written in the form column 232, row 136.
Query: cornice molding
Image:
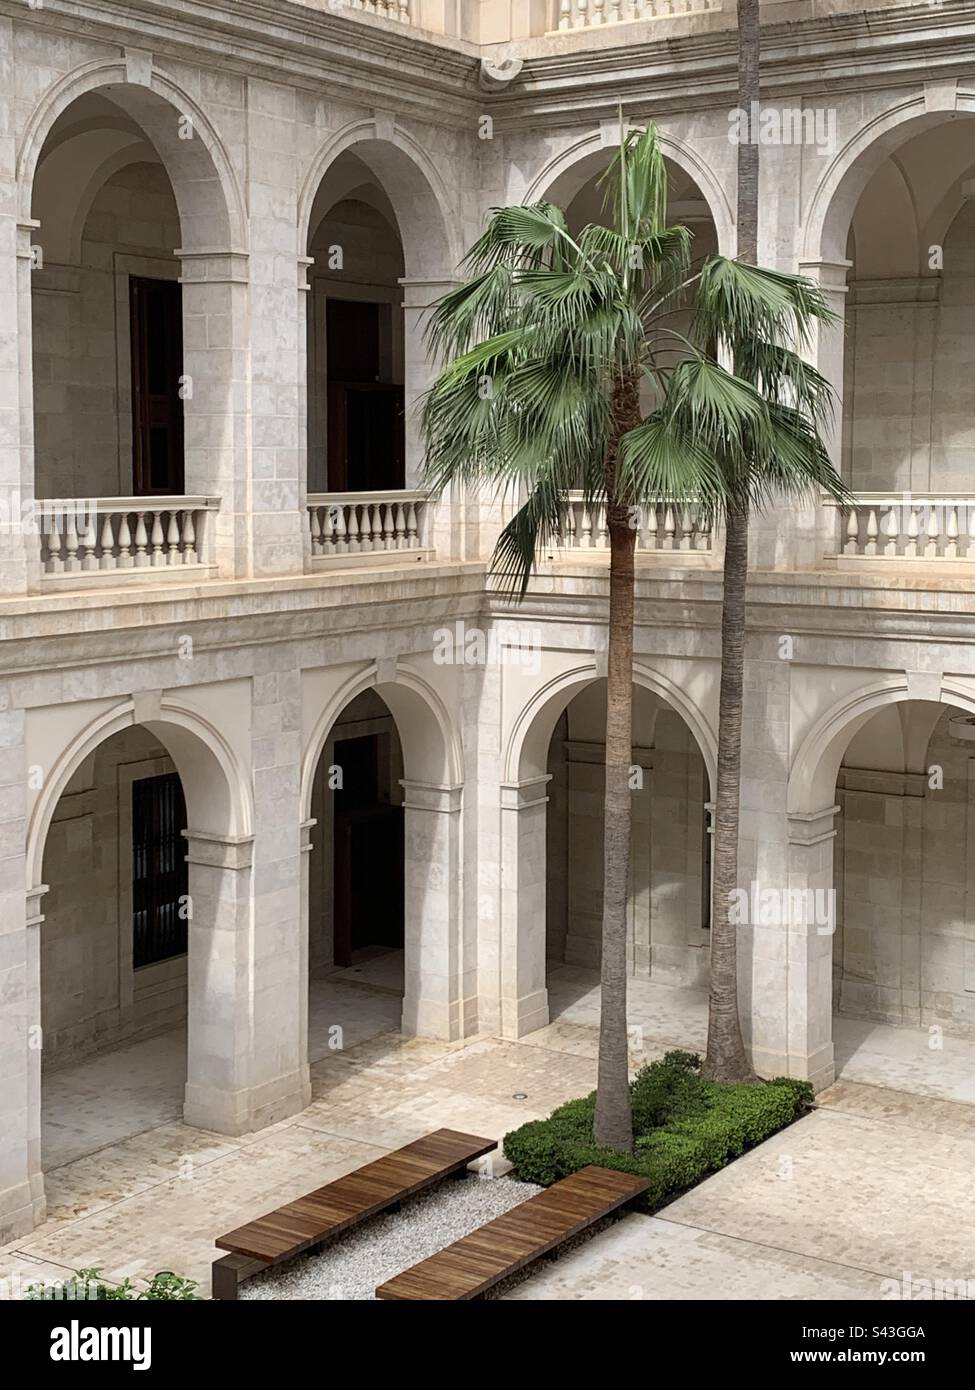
column 435, row 77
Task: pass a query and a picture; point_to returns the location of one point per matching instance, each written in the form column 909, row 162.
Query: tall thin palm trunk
column 726, row 1058
column 612, row 1122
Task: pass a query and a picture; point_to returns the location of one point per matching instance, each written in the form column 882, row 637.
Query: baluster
column 54, row 564
column 970, row 548
column 88, row 542
column 669, row 528
column 598, row 11
column 871, row 546
column 404, row 12
column 615, row 14
column 652, row 526
column 687, row 529
column 852, row 533
column 377, row 527
column 399, row 539
column 173, row 556
column 328, row 531
column 933, row 531
column 389, row 542
column 951, row 534
column 891, row 531
column 565, row 14
column 353, row 529
column 108, row 560
column 603, row 540
column 910, row 549
column 570, row 525
column 190, row 553
column 72, row 564
column 703, row 525
column 582, row 18
column 158, row 558
column 316, row 531
column 586, row 541
column 124, row 558
column 141, row 541
column 412, row 528
column 341, row 531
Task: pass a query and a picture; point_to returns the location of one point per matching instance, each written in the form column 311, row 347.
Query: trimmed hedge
column 684, row 1128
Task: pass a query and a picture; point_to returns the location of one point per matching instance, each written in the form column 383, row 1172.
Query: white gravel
column 356, row 1263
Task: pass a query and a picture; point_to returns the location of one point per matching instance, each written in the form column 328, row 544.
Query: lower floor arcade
column 221, row 909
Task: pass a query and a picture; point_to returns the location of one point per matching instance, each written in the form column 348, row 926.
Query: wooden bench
column 328, row 1211
column 537, row 1227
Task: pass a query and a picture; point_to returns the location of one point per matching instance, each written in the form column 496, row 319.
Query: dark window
column 156, row 331
column 366, row 423
column 160, row 876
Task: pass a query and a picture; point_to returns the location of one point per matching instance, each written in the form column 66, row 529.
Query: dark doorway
column 368, row 830
column 160, row 874
column 156, row 333
column 365, row 411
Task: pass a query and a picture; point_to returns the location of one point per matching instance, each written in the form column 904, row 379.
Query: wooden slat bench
column 537, row 1227
column 338, row 1206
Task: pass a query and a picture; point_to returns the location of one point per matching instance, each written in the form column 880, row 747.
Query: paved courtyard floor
column 874, row 1186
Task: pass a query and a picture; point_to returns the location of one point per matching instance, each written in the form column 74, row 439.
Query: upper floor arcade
column 220, row 283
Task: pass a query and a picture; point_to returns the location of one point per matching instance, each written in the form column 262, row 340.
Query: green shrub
column 89, row 1284
column 684, row 1128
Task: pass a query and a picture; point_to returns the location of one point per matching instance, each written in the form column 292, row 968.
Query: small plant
column 89, row 1284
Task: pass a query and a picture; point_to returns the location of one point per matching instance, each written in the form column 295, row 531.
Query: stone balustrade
column 661, row 528
column 386, row 9
column 82, row 539
column 377, row 525
column 585, row 14
column 903, row 526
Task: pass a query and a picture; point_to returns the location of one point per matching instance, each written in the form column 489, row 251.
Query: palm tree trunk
column 749, row 49
column 726, row 1058
column 613, row 1121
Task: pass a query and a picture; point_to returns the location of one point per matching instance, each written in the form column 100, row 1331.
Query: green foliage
column 552, row 328
column 90, row 1285
column 684, row 1127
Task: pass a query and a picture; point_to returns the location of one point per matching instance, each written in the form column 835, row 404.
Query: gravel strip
column 386, row 1245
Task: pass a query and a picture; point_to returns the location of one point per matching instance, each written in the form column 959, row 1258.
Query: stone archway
column 524, row 798
column 440, row 994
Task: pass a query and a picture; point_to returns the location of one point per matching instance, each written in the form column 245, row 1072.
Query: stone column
column 790, row 1000
column 19, row 551
column 21, row 1186
column 524, row 997
column 276, row 338
column 216, row 326
column 244, row 1011
column 440, row 996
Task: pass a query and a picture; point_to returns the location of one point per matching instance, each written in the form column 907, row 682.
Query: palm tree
column 546, row 348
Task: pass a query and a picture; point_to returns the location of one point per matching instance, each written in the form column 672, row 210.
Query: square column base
column 241, row 1112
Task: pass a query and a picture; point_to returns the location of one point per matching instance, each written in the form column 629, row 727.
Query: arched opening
column 382, row 801
column 356, row 420
column 136, row 295
column 552, row 847
column 373, row 217
column 114, row 949
column 910, row 311
column 107, row 310
column 904, row 875
column 356, row 880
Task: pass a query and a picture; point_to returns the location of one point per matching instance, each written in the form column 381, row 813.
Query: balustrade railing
column 587, row 14
column 377, row 524
column 123, row 535
column 881, row 526
column 662, row 528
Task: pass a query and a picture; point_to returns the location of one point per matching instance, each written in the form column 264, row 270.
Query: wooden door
column 156, row 345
